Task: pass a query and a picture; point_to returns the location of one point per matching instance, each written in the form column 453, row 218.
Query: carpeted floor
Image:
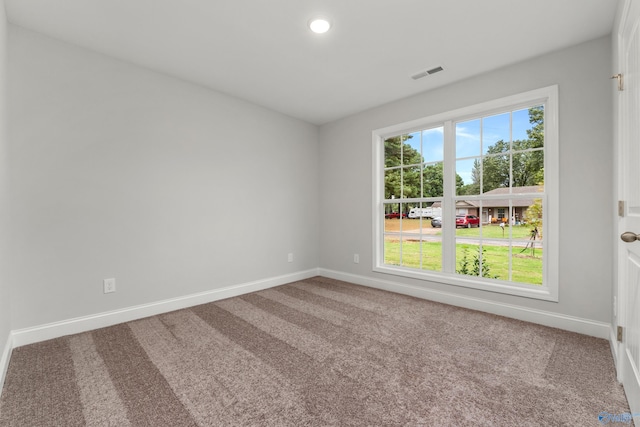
column 314, row 353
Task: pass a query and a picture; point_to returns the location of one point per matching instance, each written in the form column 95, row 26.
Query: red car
column 467, row 221
column 395, row 215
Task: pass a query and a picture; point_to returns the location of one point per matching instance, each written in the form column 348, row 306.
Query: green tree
column 459, row 184
column 404, row 180
column 474, row 186
column 393, row 151
column 495, row 168
column 533, row 217
column 536, row 133
column 398, row 153
column 433, row 181
column 527, row 166
column 535, row 160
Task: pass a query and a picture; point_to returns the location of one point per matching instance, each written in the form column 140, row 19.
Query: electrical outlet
column 290, row 258
column 109, row 285
column 356, row 258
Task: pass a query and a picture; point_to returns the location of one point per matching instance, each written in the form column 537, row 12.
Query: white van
column 425, row 212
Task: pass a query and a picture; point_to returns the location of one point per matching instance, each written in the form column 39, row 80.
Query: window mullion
column 448, row 208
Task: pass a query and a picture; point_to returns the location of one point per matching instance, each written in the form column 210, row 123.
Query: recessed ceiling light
column 319, row 25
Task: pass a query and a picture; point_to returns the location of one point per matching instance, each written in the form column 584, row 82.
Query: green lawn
column 489, row 231
column 525, row 268
column 496, row 232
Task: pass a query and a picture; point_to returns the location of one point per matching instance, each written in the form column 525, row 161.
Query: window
column 470, row 197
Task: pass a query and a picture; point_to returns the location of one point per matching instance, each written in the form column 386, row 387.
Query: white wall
column 121, row 172
column 168, row 187
column 5, row 294
column 582, row 73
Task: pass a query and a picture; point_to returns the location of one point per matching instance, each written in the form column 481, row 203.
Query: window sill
column 503, row 287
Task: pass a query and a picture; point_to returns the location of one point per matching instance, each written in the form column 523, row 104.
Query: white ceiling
column 263, row 51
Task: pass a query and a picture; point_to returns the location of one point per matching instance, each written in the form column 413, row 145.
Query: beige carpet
column 314, row 353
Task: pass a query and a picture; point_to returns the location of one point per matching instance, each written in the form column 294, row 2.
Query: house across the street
column 496, row 210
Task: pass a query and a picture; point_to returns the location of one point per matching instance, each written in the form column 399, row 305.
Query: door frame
column 620, row 279
column 616, row 315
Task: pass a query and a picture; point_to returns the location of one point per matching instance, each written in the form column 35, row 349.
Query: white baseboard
column 541, row 317
column 35, row 334
column 4, row 359
column 87, row 323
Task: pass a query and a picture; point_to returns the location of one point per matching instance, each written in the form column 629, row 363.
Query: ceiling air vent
column 425, row 73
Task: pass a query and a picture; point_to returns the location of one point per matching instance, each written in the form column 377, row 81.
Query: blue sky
column 473, row 138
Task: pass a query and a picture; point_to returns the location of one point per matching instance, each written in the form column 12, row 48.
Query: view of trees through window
column 498, row 197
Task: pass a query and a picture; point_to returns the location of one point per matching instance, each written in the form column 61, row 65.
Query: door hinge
column 620, row 81
column 620, row 333
column 620, row 207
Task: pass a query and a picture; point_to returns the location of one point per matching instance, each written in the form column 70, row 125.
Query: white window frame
column 548, row 97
